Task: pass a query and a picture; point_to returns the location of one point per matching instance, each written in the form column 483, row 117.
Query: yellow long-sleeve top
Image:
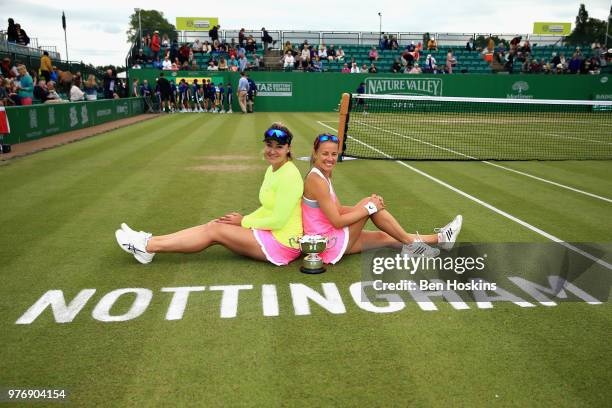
column 45, row 64
column 280, row 195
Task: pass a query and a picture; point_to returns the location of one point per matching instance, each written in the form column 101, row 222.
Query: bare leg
column 237, row 239
column 387, row 223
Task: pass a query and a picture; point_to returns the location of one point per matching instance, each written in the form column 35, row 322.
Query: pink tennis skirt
column 335, row 253
column 275, row 252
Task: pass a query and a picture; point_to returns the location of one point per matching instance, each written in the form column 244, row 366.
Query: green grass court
column 60, row 209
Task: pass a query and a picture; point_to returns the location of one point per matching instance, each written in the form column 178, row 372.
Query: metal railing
column 362, row 37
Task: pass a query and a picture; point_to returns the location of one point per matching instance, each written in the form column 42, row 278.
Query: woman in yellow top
column 263, row 235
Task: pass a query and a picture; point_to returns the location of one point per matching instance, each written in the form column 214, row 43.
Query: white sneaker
column 134, row 243
column 419, row 248
column 447, row 235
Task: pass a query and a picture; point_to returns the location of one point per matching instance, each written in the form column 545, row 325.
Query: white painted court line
column 554, row 183
column 486, row 205
column 578, row 138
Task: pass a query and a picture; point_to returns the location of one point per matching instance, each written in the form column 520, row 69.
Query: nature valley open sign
column 196, row 23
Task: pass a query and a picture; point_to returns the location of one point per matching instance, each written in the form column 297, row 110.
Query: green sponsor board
column 37, row 121
column 275, row 89
column 404, row 85
column 541, row 28
column 196, row 23
column 321, row 92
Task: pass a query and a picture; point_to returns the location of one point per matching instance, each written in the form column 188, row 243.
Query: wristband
column 371, row 208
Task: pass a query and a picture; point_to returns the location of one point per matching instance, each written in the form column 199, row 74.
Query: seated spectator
column 430, row 64
column 177, row 62
column 75, row 91
column 233, row 63
column 526, row 48
column 373, row 55
column 145, row 89
column 364, row 68
column 212, row 66
column 8, row 70
column 355, row 69
column 595, row 65
column 306, row 55
column 175, row 67
column 451, row 61
column 165, row 42
column 396, row 67
column 242, row 63
column 158, row 63
column 346, row 69
column 322, row 53
column 40, row 91
column 574, row 64
column 383, row 43
column 185, row 66
column 393, row 44
column 52, row 95
column 340, row 54
column 22, row 37
column 555, row 60
column 372, row 69
column 194, row 65
column 407, row 58
column 167, row 64
column 535, row 67
column 5, row 90
column 331, row 53
column 432, row 45
column 222, row 64
column 91, row 88
column 288, row 61
column 287, row 47
column 316, row 65
column 251, row 46
column 545, row 67
column 26, row 85
column 526, row 67
column 196, row 47
column 563, row 61
column 206, row 48
column 256, row 63
column 560, row 69
column 233, row 53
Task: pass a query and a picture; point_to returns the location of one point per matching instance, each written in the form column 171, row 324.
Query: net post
column 345, row 102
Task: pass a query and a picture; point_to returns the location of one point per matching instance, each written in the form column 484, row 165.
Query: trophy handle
column 334, row 239
column 293, row 240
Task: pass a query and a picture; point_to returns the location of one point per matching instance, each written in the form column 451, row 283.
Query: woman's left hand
column 231, row 218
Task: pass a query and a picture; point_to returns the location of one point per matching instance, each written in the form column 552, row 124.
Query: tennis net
column 408, row 127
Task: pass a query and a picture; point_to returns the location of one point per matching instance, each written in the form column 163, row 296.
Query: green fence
column 320, row 92
column 37, row 121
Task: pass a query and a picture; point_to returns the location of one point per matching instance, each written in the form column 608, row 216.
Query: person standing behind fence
column 26, row 86
column 251, row 94
column 109, row 84
column 230, row 97
column 243, row 90
column 75, row 91
column 155, row 45
column 46, row 66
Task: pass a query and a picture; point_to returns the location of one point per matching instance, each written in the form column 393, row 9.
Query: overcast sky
column 96, row 30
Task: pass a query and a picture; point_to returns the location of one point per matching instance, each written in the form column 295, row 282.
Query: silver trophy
column 313, row 245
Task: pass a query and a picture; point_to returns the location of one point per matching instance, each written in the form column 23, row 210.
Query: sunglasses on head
column 276, row 133
column 328, row 138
